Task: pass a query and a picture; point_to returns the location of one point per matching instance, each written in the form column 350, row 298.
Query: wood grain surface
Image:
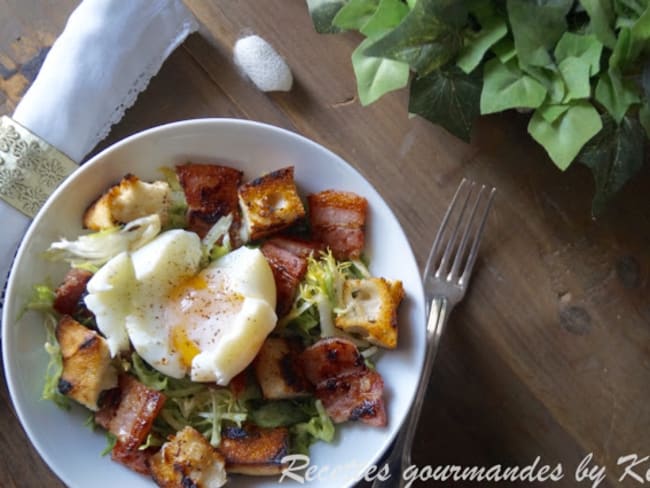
column 549, row 354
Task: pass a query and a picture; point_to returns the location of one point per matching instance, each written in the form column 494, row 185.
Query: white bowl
column 72, row 450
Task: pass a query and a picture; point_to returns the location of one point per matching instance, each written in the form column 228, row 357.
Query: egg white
column 208, row 324
column 109, row 298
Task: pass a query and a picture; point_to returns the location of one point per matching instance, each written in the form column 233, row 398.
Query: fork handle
column 399, row 458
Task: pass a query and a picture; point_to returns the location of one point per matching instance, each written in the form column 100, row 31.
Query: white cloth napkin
column 104, row 58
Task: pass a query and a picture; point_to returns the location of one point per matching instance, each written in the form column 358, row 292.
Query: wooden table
column 548, row 356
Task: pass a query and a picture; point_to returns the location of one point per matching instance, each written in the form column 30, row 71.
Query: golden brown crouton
column 371, row 310
column 188, row 459
column 87, row 368
column 278, row 370
column 130, row 199
column 270, row 203
column 254, row 450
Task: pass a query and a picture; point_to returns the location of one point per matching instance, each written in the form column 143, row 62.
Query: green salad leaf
column 54, row 366
column 318, row 427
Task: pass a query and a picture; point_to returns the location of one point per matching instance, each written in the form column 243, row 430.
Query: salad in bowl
column 212, row 317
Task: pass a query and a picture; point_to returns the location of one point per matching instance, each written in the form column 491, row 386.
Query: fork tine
column 441, row 230
column 451, row 240
column 460, row 252
column 476, row 242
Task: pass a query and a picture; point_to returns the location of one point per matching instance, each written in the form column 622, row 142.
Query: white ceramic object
column 71, row 449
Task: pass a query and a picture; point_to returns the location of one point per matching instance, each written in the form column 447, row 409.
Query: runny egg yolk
column 197, row 311
column 183, row 345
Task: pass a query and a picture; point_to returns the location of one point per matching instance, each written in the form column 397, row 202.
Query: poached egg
column 206, row 323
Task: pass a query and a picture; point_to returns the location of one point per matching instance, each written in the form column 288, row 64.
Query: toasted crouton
column 87, row 368
column 130, row 199
column 371, row 310
column 270, row 203
column 278, row 370
column 188, row 459
column 254, row 450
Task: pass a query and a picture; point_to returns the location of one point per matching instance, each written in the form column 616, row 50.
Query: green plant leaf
column 551, row 112
column 505, row 50
column 601, row 19
column 623, row 49
column 575, row 73
column 564, row 138
column 427, row 38
column 473, row 52
column 550, row 78
column 644, row 117
column 323, row 12
column 629, row 8
column 388, row 15
column 645, row 80
column 448, row 97
column 536, row 28
column 506, row 86
column 586, row 47
column 377, row 76
column 641, row 28
column 615, row 94
column 613, row 156
column 355, row 14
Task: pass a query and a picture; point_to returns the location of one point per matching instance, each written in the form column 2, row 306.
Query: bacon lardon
column 288, row 270
column 139, row 405
column 338, row 220
column 355, row 396
column 67, row 296
column 299, row 247
column 345, row 385
column 211, row 193
column 330, row 358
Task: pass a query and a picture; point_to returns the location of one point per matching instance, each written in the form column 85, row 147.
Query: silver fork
column 446, row 277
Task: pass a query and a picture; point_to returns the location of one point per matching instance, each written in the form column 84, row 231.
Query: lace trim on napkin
column 143, row 79
column 30, row 169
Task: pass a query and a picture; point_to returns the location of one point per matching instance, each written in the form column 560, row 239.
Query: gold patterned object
column 30, row 168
